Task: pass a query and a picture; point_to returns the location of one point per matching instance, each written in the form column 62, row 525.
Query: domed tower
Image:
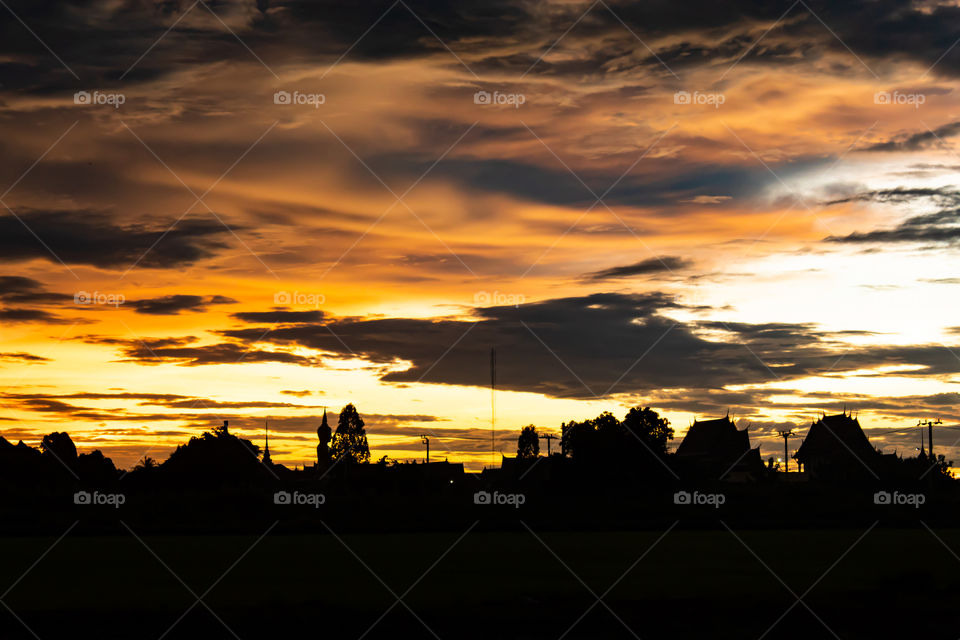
column 323, row 435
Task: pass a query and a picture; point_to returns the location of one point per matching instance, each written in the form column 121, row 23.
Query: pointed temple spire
column 266, row 444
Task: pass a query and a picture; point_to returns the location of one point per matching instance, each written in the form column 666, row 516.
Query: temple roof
column 714, row 438
column 833, row 436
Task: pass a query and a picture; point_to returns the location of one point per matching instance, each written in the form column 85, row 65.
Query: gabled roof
column 835, row 436
column 718, row 438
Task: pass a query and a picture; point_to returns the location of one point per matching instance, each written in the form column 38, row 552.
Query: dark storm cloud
column 199, row 403
column 939, row 227
column 22, row 290
column 650, row 266
column 672, row 180
column 899, row 195
column 54, row 405
column 20, row 356
column 182, row 351
column 26, row 294
column 280, row 315
column 595, row 345
column 100, row 40
column 151, row 343
column 174, row 304
column 770, row 333
column 919, row 140
column 710, row 402
column 146, row 398
column 94, row 238
column 15, row 315
column 222, row 353
column 942, row 227
column 199, row 408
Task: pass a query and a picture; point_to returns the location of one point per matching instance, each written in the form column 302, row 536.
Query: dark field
column 692, row 584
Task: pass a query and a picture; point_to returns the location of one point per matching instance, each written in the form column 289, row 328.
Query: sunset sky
column 251, row 210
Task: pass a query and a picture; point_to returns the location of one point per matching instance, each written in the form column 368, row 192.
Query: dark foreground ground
column 853, row 582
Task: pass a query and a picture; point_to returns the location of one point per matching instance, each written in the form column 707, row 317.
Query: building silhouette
column 324, row 434
column 716, row 448
column 836, row 446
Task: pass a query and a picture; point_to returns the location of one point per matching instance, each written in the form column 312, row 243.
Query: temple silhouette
column 631, row 454
column 717, row 448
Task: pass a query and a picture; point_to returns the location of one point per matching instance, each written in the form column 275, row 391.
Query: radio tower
column 786, row 460
column 493, row 406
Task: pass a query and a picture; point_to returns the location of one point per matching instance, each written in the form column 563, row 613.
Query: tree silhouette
column 215, row 454
column 350, row 440
column 528, row 443
column 649, row 429
column 606, row 439
column 591, row 439
column 60, row 447
column 146, row 463
column 96, row 468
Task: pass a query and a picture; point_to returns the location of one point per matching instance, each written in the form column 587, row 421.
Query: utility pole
column 548, row 437
column 786, row 460
column 493, row 406
column 929, row 424
column 425, row 440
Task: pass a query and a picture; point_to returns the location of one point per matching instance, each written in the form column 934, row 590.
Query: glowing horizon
column 755, row 214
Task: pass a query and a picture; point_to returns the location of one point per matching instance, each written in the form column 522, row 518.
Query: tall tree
column 605, row 439
column 528, row 443
column 649, row 428
column 597, row 439
column 350, row 439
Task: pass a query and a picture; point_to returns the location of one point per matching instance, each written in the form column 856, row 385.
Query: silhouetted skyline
column 747, row 208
